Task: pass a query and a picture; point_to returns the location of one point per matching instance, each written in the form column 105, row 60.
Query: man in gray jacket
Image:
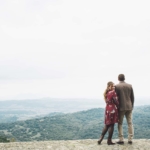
column 126, row 102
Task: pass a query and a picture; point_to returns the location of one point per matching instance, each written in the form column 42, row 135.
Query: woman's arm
column 115, row 99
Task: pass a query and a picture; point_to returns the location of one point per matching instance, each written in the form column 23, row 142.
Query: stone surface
column 89, row 144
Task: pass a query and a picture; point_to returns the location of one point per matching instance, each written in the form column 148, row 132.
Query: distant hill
column 16, row 110
column 80, row 125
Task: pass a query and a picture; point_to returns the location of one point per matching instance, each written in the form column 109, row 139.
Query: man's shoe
column 129, row 142
column 120, row 142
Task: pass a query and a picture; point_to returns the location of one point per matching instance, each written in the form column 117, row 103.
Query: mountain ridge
column 73, row 126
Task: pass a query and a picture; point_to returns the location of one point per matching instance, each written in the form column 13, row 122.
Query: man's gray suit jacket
column 125, row 95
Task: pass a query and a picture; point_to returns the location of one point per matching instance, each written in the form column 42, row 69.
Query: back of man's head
column 121, row 77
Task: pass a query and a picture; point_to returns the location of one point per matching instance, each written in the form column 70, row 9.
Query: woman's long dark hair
column 107, row 89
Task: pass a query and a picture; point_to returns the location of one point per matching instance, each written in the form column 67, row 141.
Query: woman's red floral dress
column 111, row 111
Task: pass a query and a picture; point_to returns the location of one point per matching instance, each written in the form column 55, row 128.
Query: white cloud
column 72, row 48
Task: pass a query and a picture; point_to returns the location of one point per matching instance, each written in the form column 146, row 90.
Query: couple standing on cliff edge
column 119, row 100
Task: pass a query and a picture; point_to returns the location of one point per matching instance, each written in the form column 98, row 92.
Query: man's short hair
column 121, row 77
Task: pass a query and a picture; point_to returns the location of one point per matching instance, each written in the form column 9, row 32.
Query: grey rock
column 89, row 144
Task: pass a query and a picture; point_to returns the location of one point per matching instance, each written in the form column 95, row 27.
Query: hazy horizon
column 139, row 101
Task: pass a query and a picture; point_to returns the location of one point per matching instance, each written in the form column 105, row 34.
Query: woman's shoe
column 109, row 142
column 100, row 140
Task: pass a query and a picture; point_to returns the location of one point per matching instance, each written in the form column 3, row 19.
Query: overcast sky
column 72, row 48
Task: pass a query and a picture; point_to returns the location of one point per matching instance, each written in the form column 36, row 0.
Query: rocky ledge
column 89, row 144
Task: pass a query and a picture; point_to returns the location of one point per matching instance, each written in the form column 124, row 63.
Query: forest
column 72, row 126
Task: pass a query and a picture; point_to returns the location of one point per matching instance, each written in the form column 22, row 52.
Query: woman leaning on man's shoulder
column 111, row 113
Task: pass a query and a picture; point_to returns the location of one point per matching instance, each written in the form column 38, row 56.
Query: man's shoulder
column 123, row 84
column 128, row 84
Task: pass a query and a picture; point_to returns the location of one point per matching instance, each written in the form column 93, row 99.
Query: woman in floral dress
column 111, row 113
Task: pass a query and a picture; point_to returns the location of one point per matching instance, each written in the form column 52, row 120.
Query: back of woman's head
column 110, row 83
